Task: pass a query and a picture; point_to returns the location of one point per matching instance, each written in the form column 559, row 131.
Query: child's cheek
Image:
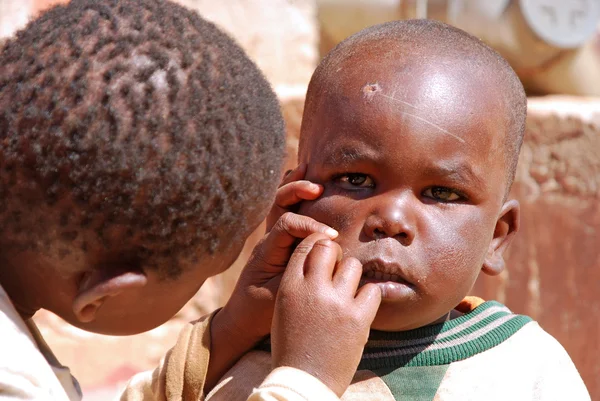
column 334, row 211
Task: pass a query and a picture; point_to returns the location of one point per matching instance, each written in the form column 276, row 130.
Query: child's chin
column 399, row 316
column 388, row 319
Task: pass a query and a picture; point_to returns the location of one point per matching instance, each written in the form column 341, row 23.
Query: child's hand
column 292, row 191
column 321, row 324
column 250, row 308
column 251, row 304
column 246, row 318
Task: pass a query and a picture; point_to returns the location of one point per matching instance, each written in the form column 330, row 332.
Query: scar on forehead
column 371, row 90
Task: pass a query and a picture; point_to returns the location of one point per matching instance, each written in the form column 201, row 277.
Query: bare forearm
column 229, row 342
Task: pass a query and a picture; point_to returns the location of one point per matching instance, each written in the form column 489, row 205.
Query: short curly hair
column 141, row 114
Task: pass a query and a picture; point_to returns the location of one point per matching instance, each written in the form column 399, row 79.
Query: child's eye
column 442, row 194
column 355, row 180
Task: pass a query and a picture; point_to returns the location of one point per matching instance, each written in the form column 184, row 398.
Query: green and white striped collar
column 483, row 328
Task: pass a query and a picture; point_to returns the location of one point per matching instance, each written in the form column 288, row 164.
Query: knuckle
column 303, row 248
column 335, row 302
column 324, row 243
column 351, row 264
column 352, row 261
column 356, row 319
column 286, row 219
column 313, row 239
column 302, row 221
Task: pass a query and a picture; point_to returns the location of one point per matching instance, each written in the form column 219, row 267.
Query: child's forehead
column 430, row 101
column 409, row 80
column 428, row 113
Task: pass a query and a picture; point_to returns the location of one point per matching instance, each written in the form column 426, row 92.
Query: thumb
column 368, row 299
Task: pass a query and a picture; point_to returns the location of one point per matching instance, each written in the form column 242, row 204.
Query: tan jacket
column 181, row 375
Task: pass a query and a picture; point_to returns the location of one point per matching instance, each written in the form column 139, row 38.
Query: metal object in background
column 562, row 23
column 552, row 44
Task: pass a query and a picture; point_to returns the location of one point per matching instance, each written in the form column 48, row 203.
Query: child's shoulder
column 488, row 353
column 534, row 347
column 528, row 364
column 513, row 336
column 533, row 340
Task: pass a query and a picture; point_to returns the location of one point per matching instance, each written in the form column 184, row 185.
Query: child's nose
column 391, row 219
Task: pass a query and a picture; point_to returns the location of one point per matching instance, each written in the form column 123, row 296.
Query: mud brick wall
column 553, row 266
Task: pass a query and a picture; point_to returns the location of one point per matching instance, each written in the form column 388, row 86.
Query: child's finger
column 295, row 267
column 294, row 175
column 297, row 191
column 278, row 244
column 347, row 274
column 291, row 227
column 368, row 300
column 289, row 195
column 322, row 259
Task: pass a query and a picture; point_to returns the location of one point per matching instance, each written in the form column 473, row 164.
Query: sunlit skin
column 410, row 154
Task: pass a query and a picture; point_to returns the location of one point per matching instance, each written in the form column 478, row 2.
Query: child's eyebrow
column 456, row 171
column 344, row 156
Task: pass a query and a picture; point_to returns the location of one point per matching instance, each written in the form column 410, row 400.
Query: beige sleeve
column 559, row 379
column 289, row 384
column 181, row 373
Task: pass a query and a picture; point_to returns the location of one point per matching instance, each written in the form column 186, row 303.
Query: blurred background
column 553, row 270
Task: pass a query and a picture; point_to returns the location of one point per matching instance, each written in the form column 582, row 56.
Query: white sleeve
column 560, row 379
column 24, row 372
column 289, row 384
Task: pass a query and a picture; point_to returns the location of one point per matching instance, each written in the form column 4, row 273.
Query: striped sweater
column 488, row 353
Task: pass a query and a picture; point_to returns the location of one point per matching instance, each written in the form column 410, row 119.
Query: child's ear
column 97, row 286
column 506, row 228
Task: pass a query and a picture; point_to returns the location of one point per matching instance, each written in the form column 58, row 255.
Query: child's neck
column 453, row 314
column 11, row 280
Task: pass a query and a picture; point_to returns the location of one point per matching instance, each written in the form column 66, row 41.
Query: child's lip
column 376, row 276
column 379, row 270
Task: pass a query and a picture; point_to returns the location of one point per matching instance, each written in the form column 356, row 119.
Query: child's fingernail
column 315, row 187
column 332, row 233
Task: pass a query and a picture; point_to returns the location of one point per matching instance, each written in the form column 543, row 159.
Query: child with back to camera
column 413, row 129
